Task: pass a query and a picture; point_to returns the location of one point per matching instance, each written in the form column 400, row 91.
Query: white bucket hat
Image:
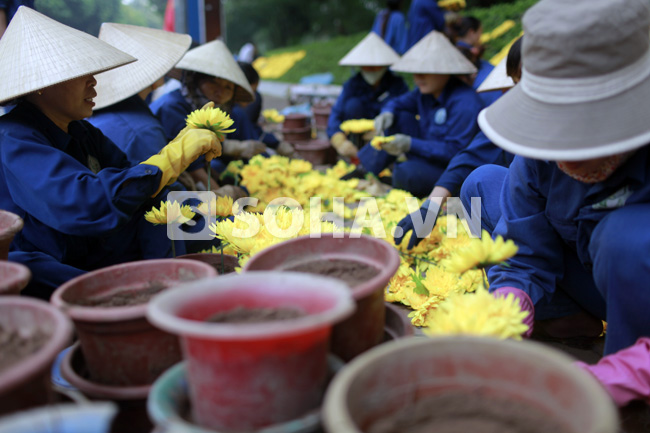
column 216, row 60
column 498, row 79
column 371, row 51
column 584, row 91
column 38, row 52
column 157, row 52
column 434, row 54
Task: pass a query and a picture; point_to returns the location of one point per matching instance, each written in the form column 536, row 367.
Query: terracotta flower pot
column 10, row 224
column 216, row 260
column 13, row 277
column 131, row 400
column 500, row 375
column 296, row 134
column 295, row 121
column 321, row 115
column 61, row 418
column 318, row 151
column 245, row 376
column 365, row 328
column 397, row 324
column 120, row 346
column 26, row 383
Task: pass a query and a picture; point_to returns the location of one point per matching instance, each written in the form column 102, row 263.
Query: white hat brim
column 497, row 79
column 38, row 52
column 569, row 132
column 434, row 54
column 370, row 51
column 157, row 52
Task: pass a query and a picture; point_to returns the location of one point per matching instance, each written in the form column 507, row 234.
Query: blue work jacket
column 545, row 211
column 395, row 34
column 69, row 209
column 424, row 16
column 369, row 100
column 447, row 124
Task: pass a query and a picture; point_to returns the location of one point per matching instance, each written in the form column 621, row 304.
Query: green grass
column 323, row 56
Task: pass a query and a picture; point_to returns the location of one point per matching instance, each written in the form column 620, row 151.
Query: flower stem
column 208, row 168
column 223, row 266
column 173, row 248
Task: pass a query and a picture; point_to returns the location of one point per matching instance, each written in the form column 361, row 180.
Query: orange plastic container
column 246, row 376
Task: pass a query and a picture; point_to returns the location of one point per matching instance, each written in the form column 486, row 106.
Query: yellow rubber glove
column 188, row 145
column 343, row 146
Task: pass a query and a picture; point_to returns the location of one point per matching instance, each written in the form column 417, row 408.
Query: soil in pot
column 131, row 295
column 15, row 347
column 350, row 272
column 255, row 315
column 462, row 412
column 227, row 268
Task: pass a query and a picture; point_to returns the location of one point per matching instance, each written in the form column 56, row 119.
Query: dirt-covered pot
column 295, row 121
column 296, row 134
column 318, row 151
column 10, row 224
column 365, row 328
column 13, row 277
column 25, row 383
column 407, row 381
column 119, row 345
column 246, row 376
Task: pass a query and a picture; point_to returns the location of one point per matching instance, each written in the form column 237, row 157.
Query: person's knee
column 416, row 178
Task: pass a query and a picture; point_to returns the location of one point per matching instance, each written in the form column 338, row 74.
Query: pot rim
column 79, row 313
column 361, row 291
column 22, row 273
column 43, row 358
column 162, row 310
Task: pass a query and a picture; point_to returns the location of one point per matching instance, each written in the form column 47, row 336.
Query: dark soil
column 15, row 347
column 127, row 296
column 464, row 412
column 228, row 268
column 255, row 315
column 350, row 272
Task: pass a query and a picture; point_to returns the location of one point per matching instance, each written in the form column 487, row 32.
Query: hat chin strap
column 587, row 89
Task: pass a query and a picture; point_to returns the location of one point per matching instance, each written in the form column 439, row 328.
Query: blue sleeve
column 62, row 193
column 336, row 115
column 244, row 128
column 407, row 102
column 171, row 115
column 398, row 32
column 462, row 127
column 479, row 152
column 539, row 263
column 437, row 16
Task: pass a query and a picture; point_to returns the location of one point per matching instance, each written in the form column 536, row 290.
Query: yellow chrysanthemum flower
column 357, row 126
column 170, row 212
column 478, row 313
column 221, row 207
column 377, row 141
column 480, row 253
column 214, row 119
column 272, row 115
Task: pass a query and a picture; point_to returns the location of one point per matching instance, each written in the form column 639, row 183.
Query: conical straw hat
column 37, row 52
column 216, row 60
column 434, row 54
column 371, row 51
column 498, row 79
column 157, row 52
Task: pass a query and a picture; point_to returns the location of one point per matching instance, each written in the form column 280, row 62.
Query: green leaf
column 420, row 288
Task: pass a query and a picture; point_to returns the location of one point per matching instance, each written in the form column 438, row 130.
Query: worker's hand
column 188, row 145
column 626, row 373
column 401, row 144
column 243, row 149
column 232, row 191
column 420, row 222
column 525, row 303
column 285, row 149
column 343, row 146
column 383, row 121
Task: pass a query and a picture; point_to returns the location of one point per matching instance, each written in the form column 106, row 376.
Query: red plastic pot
column 215, row 260
column 399, row 374
column 27, row 383
column 296, row 134
column 295, row 121
column 318, row 151
column 244, row 377
column 365, row 328
column 131, row 400
column 10, row 224
column 13, row 277
column 120, row 346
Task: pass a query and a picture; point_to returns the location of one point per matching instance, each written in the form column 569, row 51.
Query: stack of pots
column 297, row 131
column 13, row 276
column 296, row 128
column 321, row 115
column 261, row 375
column 120, row 354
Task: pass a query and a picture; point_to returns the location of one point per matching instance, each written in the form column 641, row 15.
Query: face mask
column 373, row 77
column 604, row 171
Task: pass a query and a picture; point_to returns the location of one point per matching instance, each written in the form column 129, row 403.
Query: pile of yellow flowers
column 277, row 65
column 357, row 126
column 378, row 140
column 272, row 115
column 452, row 5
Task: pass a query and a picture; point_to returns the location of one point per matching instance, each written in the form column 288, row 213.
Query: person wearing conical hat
column 576, row 198
column 81, row 200
column 481, row 151
column 431, row 123
column 367, row 92
column 212, row 74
